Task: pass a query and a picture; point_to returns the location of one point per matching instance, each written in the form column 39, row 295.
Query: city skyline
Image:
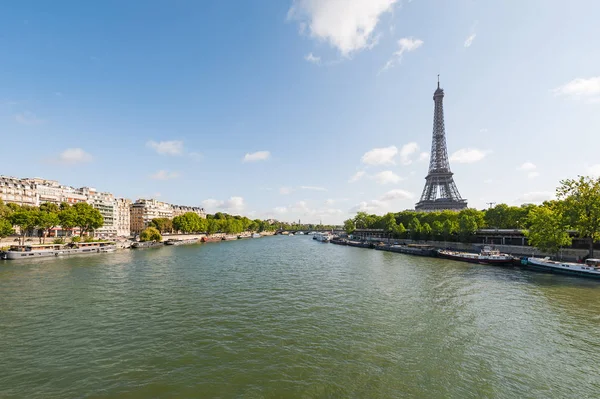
column 303, row 110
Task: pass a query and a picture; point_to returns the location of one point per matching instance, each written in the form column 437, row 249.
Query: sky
column 304, row 110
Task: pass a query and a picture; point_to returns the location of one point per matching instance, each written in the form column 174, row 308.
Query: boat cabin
column 595, row 263
column 35, row 247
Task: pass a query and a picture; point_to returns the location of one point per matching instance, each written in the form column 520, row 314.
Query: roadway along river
column 287, row 317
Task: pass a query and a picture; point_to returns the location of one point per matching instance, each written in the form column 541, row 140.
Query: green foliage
column 467, row 226
column 547, row 229
column 150, row 234
column 437, row 230
column 448, row 229
column 58, row 241
column 400, row 231
column 415, row 228
column 47, row 218
column 579, row 203
column 389, row 223
column 164, row 225
column 189, row 222
column 87, row 218
column 24, row 218
column 349, row 226
column 6, row 228
column 426, row 231
column 76, row 239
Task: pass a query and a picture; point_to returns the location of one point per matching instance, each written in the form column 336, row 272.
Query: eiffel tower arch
column 440, row 192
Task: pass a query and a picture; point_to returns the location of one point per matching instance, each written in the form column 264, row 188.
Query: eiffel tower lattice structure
column 440, row 192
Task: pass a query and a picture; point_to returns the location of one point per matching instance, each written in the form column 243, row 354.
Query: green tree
column 389, row 223
column 437, row 229
column 150, row 234
column 67, row 217
column 547, row 230
column 467, row 226
column 448, row 229
column 5, row 210
column 212, row 226
column 164, row 225
column 426, row 231
column 400, row 231
column 349, row 226
column 579, row 202
column 46, row 221
column 87, row 218
column 415, row 229
column 6, row 228
column 24, row 219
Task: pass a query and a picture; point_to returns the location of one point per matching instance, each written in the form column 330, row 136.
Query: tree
column 164, row 225
column 349, row 226
column 4, row 210
column 87, row 218
column 6, row 228
column 426, row 231
column 24, row 219
column 579, row 202
column 213, row 226
column 67, row 217
column 448, row 229
column 415, row 229
column 389, row 223
column 46, row 221
column 150, row 234
column 467, row 226
column 400, row 231
column 547, row 230
column 437, row 229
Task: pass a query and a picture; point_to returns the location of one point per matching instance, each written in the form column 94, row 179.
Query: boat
column 591, row 267
column 323, row 237
column 242, row 236
column 47, row 250
column 179, row 241
column 291, row 235
column 487, row 256
column 301, row 233
column 29, row 251
column 256, row 235
column 414, row 249
column 229, row 238
column 211, row 239
column 146, row 244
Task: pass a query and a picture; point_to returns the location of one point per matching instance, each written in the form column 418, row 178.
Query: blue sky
column 331, row 100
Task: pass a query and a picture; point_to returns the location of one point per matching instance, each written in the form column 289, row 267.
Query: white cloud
column 468, row 155
column 313, row 188
column 280, row 209
column 233, row 204
column 407, row 151
column 164, row 175
column 386, row 177
column 332, row 201
column 527, row 166
column 172, row 147
column 580, row 88
column 312, row 58
column 72, row 156
column 536, row 197
column 533, row 175
column 285, row 190
column 373, row 206
column 405, row 45
column 483, row 130
column 257, row 156
column 396, row 195
column 357, row 176
column 380, row 156
column 347, row 25
column 470, row 39
column 423, row 157
column 28, row 118
column 594, row 170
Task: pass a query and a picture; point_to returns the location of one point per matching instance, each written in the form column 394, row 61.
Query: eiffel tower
column 440, row 192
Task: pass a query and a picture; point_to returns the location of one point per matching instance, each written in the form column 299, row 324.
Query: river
column 287, row 317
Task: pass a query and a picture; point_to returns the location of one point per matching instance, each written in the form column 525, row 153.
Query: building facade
column 105, row 204
column 179, row 210
column 123, row 217
column 17, row 191
column 144, row 210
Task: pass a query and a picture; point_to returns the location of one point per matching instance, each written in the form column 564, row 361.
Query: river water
column 287, row 317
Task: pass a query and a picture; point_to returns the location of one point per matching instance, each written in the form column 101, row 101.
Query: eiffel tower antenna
column 440, row 192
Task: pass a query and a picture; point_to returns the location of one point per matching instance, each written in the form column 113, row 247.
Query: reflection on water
column 289, row 317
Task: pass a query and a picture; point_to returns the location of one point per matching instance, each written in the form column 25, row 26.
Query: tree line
column 47, row 216
column 548, row 227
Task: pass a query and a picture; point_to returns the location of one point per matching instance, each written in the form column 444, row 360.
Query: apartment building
column 17, row 191
column 144, row 210
column 179, row 210
column 105, row 203
column 123, row 217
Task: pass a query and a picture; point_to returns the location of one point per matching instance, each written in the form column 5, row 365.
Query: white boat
column 291, row 235
column 323, row 237
column 301, row 233
column 17, row 252
column 591, row 267
column 256, row 235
